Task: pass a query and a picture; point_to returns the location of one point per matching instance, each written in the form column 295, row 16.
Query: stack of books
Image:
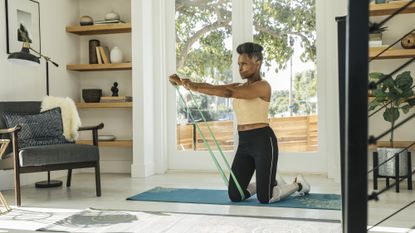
column 103, row 55
column 113, row 99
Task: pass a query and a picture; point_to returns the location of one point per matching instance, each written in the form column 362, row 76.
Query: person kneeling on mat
column 257, row 148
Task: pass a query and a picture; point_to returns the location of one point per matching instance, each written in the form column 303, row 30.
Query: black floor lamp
column 26, row 58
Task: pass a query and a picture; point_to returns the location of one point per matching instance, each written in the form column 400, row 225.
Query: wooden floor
column 116, row 188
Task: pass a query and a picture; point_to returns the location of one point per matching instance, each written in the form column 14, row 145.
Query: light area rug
column 95, row 220
column 29, row 219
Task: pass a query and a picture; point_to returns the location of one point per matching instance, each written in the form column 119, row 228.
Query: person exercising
column 257, row 149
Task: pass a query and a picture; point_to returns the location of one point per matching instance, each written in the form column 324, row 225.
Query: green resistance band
column 208, row 146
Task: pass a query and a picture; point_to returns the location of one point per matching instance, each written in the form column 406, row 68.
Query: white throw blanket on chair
column 70, row 117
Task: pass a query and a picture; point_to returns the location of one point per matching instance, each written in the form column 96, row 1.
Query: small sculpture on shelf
column 114, row 89
column 408, row 42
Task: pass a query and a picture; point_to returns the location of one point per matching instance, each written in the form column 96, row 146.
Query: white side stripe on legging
column 270, row 171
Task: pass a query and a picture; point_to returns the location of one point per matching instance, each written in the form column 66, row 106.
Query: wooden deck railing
column 295, row 134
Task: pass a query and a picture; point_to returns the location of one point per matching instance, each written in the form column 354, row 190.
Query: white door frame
column 288, row 162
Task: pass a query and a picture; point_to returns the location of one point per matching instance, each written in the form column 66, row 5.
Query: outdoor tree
column 279, row 103
column 305, row 88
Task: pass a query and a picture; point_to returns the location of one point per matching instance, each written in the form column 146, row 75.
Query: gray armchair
column 64, row 156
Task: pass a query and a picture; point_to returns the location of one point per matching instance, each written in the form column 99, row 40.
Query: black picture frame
column 26, row 12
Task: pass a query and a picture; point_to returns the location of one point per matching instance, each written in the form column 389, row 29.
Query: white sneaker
column 280, row 180
column 305, row 186
column 251, row 188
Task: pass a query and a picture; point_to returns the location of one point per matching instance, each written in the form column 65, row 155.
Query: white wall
column 329, row 138
column 28, row 83
column 146, row 124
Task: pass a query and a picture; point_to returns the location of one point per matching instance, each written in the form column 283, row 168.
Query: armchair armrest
column 5, row 142
column 94, row 132
column 10, row 130
column 96, row 127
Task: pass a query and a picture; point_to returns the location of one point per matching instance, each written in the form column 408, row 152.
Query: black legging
column 257, row 150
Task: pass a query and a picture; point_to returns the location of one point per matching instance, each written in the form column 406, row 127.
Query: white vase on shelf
column 116, row 55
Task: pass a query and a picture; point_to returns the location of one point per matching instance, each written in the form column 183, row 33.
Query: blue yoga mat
column 220, row 197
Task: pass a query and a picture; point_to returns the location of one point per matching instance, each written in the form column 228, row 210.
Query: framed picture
column 27, row 13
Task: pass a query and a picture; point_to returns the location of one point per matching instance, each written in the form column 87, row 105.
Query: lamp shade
column 23, row 57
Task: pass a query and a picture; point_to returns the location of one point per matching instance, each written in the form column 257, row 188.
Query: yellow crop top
column 251, row 111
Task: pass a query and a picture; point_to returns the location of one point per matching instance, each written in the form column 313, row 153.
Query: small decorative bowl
column 91, row 95
column 106, row 138
column 86, row 20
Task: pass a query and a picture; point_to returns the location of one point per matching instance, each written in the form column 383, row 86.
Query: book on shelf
column 98, row 55
column 104, row 57
column 107, row 53
column 112, row 99
column 108, row 21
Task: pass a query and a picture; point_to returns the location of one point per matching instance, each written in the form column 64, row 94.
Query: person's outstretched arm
column 205, row 88
column 260, row 89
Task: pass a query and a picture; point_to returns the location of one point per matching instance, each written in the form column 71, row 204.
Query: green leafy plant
column 395, row 94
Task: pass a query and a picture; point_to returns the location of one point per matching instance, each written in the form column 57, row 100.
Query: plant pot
column 388, row 169
column 91, row 95
column 375, row 37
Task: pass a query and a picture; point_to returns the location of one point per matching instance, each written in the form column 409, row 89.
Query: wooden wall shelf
column 116, row 143
column 99, row 67
column 392, row 53
column 390, row 8
column 105, row 105
column 100, row 29
column 396, row 144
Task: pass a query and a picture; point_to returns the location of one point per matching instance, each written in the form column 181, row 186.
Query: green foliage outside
column 203, row 28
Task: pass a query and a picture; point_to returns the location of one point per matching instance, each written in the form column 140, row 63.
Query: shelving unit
column 105, row 105
column 392, row 53
column 390, row 8
column 100, row 29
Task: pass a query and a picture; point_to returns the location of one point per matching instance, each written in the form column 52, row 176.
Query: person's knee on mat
column 263, row 197
column 235, row 196
column 263, row 200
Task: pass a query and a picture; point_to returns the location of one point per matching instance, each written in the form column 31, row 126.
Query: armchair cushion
column 39, row 129
column 70, row 117
column 57, row 154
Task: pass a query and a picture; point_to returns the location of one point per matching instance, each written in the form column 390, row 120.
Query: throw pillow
column 70, row 116
column 40, row 129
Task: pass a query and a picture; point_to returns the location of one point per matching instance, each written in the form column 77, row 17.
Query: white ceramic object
column 112, row 16
column 106, row 137
column 116, row 55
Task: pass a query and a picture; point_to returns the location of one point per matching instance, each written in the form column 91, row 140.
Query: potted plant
column 397, row 96
column 375, row 33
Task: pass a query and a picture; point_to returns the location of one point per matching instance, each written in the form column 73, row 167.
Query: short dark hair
column 251, row 49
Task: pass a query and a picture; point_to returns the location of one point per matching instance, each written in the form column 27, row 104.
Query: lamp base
column 48, row 184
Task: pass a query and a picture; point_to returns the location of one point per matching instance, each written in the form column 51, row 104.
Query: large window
column 203, row 54
column 287, row 31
